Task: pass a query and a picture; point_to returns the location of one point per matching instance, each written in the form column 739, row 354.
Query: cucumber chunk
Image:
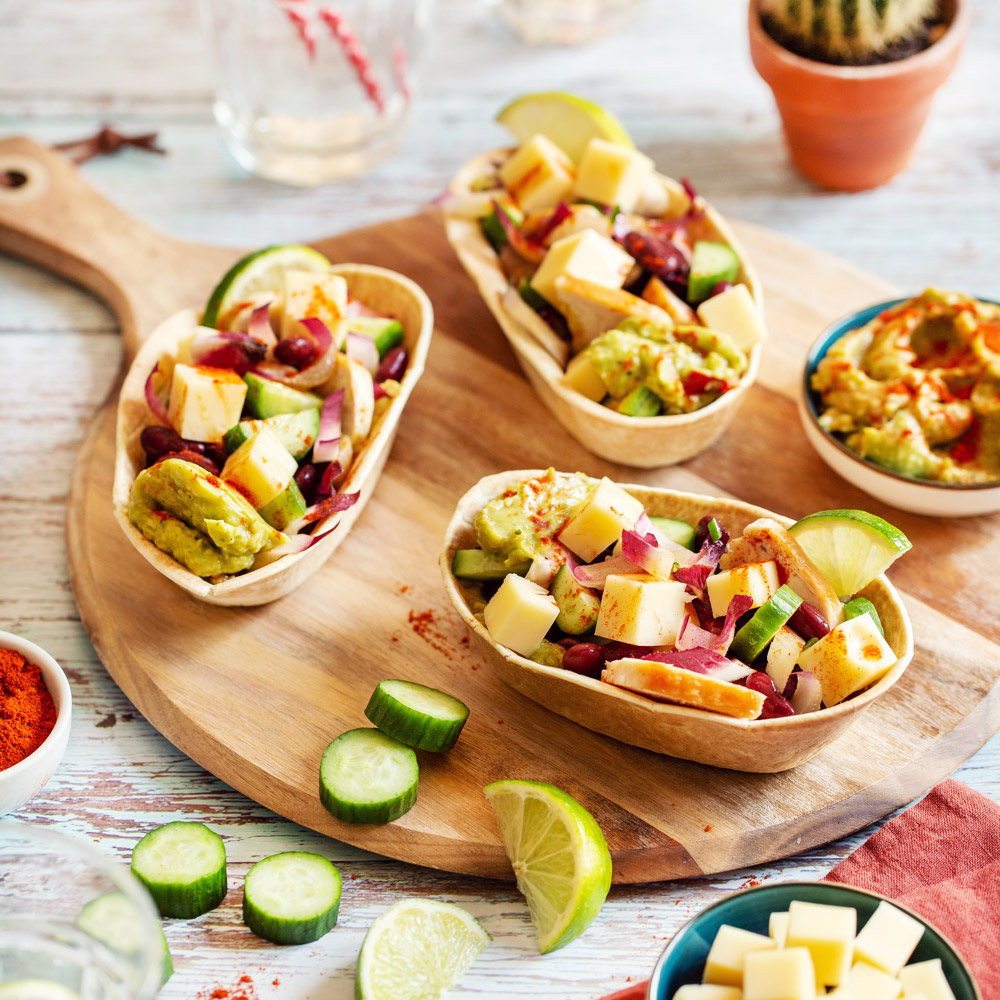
column 676, row 530
column 579, row 606
column 492, row 228
column 291, row 898
column 641, row 402
column 111, row 918
column 183, row 865
column 387, row 333
column 710, row 263
column 534, row 299
column 751, row 640
column 475, row 564
column 858, row 606
column 288, row 506
column 366, row 776
column 266, row 398
column 416, row 715
column 296, row 431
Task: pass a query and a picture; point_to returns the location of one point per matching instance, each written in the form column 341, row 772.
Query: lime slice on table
column 417, row 950
column 260, row 271
column 849, row 547
column 569, row 121
column 560, row 858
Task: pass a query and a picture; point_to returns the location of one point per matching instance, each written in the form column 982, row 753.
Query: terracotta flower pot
column 854, row 127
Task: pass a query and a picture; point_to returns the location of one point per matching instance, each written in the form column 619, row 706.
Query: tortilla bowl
column 766, row 746
column 386, row 292
column 644, row 442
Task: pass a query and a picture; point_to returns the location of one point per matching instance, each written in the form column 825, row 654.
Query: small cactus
column 844, row 31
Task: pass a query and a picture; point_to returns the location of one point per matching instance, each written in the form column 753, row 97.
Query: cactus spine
column 844, row 31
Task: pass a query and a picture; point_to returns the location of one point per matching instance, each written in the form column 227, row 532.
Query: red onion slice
column 596, row 574
column 530, row 249
column 294, row 545
column 379, row 391
column 355, row 307
column 693, row 636
column 259, row 326
column 323, row 509
column 156, row 405
column 363, row 349
column 320, row 334
column 808, row 696
column 328, row 440
column 702, row 661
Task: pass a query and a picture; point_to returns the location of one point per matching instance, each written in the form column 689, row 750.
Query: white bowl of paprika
column 35, row 709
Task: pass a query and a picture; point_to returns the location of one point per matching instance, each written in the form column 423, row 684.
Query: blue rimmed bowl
column 684, row 957
column 920, row 496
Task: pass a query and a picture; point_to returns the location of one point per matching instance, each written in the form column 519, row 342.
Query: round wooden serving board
column 255, row 694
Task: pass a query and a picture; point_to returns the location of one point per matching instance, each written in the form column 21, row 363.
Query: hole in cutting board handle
column 22, row 178
column 13, row 178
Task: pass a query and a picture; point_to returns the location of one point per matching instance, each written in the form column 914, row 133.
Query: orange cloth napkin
column 941, row 859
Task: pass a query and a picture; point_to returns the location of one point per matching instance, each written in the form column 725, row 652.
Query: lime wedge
column 417, row 950
column 569, row 121
column 261, row 271
column 559, row 855
column 849, row 547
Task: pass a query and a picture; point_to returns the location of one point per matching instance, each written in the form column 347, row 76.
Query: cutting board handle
column 51, row 216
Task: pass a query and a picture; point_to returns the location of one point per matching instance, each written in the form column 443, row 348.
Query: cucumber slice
column 183, row 865
column 676, row 530
column 266, row 398
column 579, row 606
column 858, row 606
column 296, row 431
column 710, row 263
column 291, row 898
column 111, row 919
column 416, row 715
column 534, row 299
column 493, row 229
column 641, row 402
column 366, row 776
column 475, row 564
column 288, row 506
column 752, row 639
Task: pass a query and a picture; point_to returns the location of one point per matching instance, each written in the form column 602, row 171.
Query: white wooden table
column 681, row 79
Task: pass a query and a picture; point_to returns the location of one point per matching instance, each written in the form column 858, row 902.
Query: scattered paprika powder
column 27, row 712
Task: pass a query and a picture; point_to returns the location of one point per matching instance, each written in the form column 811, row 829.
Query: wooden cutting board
column 255, row 694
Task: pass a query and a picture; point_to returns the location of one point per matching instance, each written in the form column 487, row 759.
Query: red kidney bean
column 299, row 352
column 307, row 479
column 775, row 706
column 392, row 365
column 157, row 441
column 808, row 622
column 584, row 658
column 721, row 286
column 657, row 255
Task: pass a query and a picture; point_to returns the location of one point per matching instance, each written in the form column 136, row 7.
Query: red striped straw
column 401, row 69
column 301, row 23
column 355, row 52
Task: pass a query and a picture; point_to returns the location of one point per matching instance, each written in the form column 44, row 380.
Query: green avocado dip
column 683, row 369
column 521, row 524
column 196, row 518
column 917, row 390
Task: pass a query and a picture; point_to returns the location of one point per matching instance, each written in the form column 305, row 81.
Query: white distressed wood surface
column 681, row 79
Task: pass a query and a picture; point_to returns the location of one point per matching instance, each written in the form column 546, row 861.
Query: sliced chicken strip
column 765, row 539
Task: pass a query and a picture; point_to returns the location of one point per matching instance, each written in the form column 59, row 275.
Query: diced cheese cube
column 782, row 655
column 925, row 979
column 205, row 402
column 759, row 581
column 848, row 658
column 734, row 313
column 641, row 610
column 587, row 255
column 260, row 468
column 538, row 174
column 582, row 376
column 888, row 939
column 708, row 991
column 730, row 949
column 866, row 981
column 600, row 520
column 519, row 614
column 612, row 174
column 828, row 932
column 777, row 926
column 779, row 975
column 312, row 295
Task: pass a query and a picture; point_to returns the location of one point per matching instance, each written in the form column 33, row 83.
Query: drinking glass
column 47, row 880
column 565, row 22
column 309, row 92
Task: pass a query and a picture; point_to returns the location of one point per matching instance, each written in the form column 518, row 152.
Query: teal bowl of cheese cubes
column 803, row 940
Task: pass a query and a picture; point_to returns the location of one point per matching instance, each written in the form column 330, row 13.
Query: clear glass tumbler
column 75, row 919
column 565, row 22
column 309, row 92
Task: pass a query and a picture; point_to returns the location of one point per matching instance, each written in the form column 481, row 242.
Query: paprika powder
column 27, row 711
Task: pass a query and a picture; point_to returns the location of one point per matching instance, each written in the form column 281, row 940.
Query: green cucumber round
column 752, row 639
column 291, row 898
column 366, row 776
column 858, row 606
column 183, row 865
column 112, row 919
column 417, row 715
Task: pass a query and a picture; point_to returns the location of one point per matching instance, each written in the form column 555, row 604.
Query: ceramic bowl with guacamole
column 629, row 303
column 250, row 438
column 902, row 399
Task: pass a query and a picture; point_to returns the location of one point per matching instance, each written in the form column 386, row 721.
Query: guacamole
column 196, row 518
column 917, row 390
column 687, row 367
column 521, row 524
